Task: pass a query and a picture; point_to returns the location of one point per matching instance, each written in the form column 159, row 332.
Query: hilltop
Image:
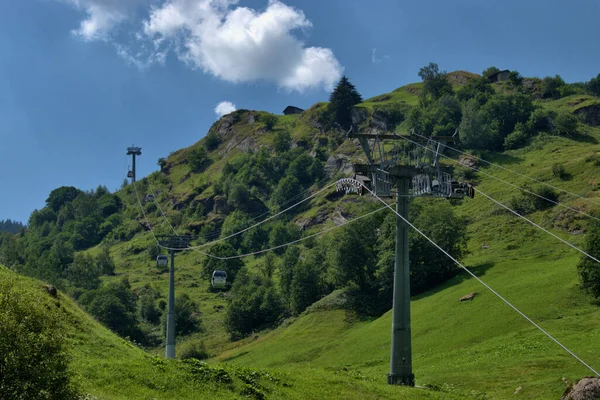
column 321, row 311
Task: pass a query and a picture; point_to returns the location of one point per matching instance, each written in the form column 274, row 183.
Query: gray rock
column 587, row 388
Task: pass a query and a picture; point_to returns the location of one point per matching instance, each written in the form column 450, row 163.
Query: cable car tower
column 414, row 171
column 133, row 151
column 173, row 243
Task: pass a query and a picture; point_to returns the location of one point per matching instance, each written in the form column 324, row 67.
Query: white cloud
column 102, row 16
column 233, row 43
column 224, row 108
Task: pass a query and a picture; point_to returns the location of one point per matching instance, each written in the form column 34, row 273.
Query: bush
column 211, row 141
column 566, row 124
column 270, row 121
column 559, row 171
column 551, row 87
column 589, row 270
column 539, row 120
column 186, row 316
column 196, row 158
column 194, row 349
column 33, row 364
column 282, row 141
column 528, row 203
column 516, row 139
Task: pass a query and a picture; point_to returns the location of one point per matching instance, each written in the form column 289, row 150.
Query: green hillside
column 241, row 172
column 108, row 367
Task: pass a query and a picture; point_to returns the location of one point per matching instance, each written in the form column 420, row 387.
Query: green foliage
column 527, row 203
column 232, row 266
column 559, row 171
column 589, row 270
column 539, row 120
column 62, row 195
column 551, row 87
column 197, row 158
column 114, row 305
column 105, row 262
column 304, row 287
column 288, row 188
column 475, row 131
column 479, row 89
column 194, row 349
column 490, row 71
column 441, row 118
column 187, row 318
column 515, row 78
column 84, row 272
column 270, row 120
column 428, row 267
column 341, row 102
column 516, row 139
column 238, row 196
column 10, row 226
column 211, row 141
column 282, row 141
column 435, row 83
column 255, row 305
column 351, row 256
column 566, row 124
column 34, row 362
column 148, row 310
column 593, row 86
column 282, row 233
column 162, row 163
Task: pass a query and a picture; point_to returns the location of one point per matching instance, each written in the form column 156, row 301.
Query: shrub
column 211, row 141
column 528, row 203
column 270, row 121
column 559, row 171
column 282, row 141
column 516, row 139
column 33, row 364
column 589, row 270
column 196, row 158
column 566, row 124
column 551, row 87
column 194, row 349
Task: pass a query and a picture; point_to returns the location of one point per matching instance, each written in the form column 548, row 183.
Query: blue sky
column 80, row 80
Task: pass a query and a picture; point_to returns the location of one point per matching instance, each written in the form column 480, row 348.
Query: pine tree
column 341, row 100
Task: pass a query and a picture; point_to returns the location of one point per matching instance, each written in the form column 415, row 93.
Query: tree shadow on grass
column 461, row 276
column 583, row 138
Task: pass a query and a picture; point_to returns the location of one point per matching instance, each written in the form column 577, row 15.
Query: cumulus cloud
column 233, row 43
column 224, row 108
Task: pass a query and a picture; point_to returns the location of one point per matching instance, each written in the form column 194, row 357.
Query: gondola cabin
column 218, row 280
column 162, row 261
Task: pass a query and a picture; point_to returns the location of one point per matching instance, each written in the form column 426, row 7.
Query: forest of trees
column 11, row 226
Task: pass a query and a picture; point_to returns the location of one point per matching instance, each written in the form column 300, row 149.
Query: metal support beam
column 170, row 351
column 401, row 353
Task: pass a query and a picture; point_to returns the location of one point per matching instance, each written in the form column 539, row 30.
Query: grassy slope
column 107, row 367
column 482, row 345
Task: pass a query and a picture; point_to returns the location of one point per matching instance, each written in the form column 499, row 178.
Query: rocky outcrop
column 359, row 115
column 338, row 163
column 589, row 115
column 586, row 389
column 246, row 144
